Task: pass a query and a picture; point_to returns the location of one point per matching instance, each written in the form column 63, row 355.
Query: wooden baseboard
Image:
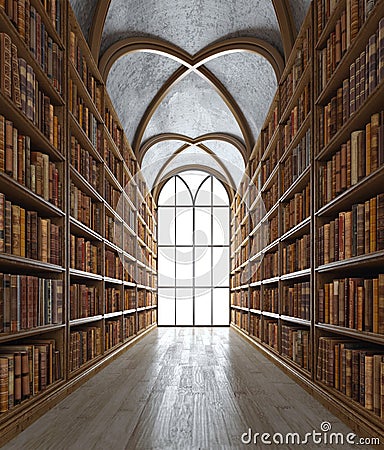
column 22, row 419
column 361, row 425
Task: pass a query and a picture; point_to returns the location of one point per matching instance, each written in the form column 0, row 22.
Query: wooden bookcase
column 283, row 306
column 101, row 279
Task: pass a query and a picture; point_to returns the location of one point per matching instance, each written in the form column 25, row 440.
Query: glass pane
column 203, row 266
column 166, row 266
column 220, row 225
column 166, row 307
column 167, row 194
column 193, row 179
column 184, row 266
column 203, row 307
column 220, row 195
column 184, row 307
column 220, row 266
column 183, row 196
column 184, row 226
column 203, row 230
column 220, row 306
column 204, row 193
column 166, row 226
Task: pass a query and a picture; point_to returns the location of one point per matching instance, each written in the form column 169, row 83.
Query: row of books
column 360, row 156
column 240, row 318
column 85, row 344
column 297, row 256
column 84, row 116
column 19, row 83
column 271, row 333
column 112, row 335
column 144, row 298
column 356, row 303
column 113, row 265
column 354, row 15
column 23, row 233
column 86, row 164
column 295, row 345
column 79, row 61
column 255, row 299
column 129, row 299
column 297, row 117
column 84, row 209
column 271, row 196
column 85, row 301
column 296, row 300
column 297, row 210
column 269, row 164
column 271, row 300
column 28, row 302
column 354, row 368
column 113, row 162
column 129, row 326
column 113, row 230
column 112, row 299
column 145, row 319
column 114, row 129
column 254, row 270
column 113, row 197
column 302, row 57
column 268, row 131
column 27, row 369
column 353, row 233
column 239, row 298
column 296, row 162
column 361, row 83
column 255, row 326
column 32, row 30
column 84, row 255
column 271, row 265
column 32, row 169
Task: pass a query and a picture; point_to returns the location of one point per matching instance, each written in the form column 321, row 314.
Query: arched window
column 193, row 249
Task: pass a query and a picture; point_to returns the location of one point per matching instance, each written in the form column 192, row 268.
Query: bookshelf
column 77, row 226
column 311, row 299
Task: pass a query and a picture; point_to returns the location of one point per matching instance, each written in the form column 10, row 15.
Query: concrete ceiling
column 191, row 68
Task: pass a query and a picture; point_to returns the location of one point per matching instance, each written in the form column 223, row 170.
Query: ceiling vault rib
column 286, row 25
column 194, row 63
column 97, row 27
column 192, row 141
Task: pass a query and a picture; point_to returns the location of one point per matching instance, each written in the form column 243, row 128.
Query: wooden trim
column 97, row 27
column 181, row 137
column 286, row 25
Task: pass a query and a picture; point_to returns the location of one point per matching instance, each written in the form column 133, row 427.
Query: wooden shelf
column 298, row 274
column 113, row 315
column 298, row 230
column 330, row 25
column 85, row 320
column 84, row 185
column 366, row 261
column 350, row 332
column 13, row 262
column 295, row 320
column 297, row 186
column 7, row 337
column 83, row 138
column 81, row 274
column 80, row 229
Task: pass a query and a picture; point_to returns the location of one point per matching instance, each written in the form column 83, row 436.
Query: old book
column 380, row 304
column 3, row 384
column 16, row 94
column 6, row 65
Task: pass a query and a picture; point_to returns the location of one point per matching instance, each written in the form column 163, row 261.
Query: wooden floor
column 180, row 388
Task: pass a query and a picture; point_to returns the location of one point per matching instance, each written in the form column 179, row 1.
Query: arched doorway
column 193, row 249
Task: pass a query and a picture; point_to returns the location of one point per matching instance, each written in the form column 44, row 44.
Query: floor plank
column 180, row 388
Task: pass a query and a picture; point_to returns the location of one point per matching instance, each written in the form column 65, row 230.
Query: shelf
column 297, row 230
column 22, row 195
column 270, row 280
column 113, row 280
column 112, row 179
column 255, row 284
column 112, row 211
column 84, row 230
column 361, row 117
column 83, row 91
column 83, row 138
column 129, row 284
column 6, row 337
column 129, row 311
column 255, row 311
column 84, row 320
column 48, row 23
column 81, row 274
column 84, row 185
column 23, row 124
column 358, row 192
column 112, row 246
column 304, row 79
column 272, row 143
column 295, row 320
column 369, row 260
column 330, row 25
column 298, row 136
column 361, row 335
column 270, row 314
column 357, row 46
column 112, row 143
column 297, row 186
column 11, row 262
column 298, row 274
column 45, row 83
column 240, row 308
column 113, row 314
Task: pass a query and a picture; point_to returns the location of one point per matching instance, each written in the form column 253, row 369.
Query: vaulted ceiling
column 191, row 80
